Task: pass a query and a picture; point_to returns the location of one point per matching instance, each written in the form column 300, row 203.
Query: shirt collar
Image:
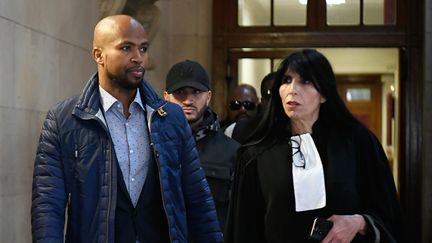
column 108, row 100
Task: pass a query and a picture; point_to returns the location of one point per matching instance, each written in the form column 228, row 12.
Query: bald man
column 242, row 105
column 242, row 102
column 118, row 159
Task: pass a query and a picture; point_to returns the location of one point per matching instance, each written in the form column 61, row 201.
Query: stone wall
column 44, row 57
column 183, row 32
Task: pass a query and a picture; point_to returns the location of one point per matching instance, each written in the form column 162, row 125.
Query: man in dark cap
column 187, row 84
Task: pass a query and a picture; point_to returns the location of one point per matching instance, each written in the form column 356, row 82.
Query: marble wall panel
column 64, row 20
column 16, row 219
column 45, row 57
column 19, row 133
column 6, row 62
column 183, row 32
column 18, row 11
column 204, row 16
column 73, row 74
column 184, row 47
column 36, row 65
column 158, row 54
column 73, row 27
column 203, row 48
column 183, row 17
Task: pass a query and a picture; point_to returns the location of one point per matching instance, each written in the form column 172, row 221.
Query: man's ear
column 97, row 55
column 166, row 95
column 209, row 95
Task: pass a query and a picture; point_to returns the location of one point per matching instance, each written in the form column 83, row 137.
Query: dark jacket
column 76, row 167
column 217, row 153
column 357, row 179
column 244, row 128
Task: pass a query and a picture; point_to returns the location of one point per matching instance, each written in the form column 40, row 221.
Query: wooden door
column 362, row 95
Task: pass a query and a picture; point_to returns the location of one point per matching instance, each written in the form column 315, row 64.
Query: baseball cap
column 187, row 74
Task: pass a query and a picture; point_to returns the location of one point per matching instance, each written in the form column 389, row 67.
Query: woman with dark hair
column 310, row 158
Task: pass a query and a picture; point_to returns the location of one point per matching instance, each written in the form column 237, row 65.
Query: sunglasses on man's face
column 236, row 105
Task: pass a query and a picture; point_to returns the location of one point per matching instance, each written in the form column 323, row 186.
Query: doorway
column 362, row 96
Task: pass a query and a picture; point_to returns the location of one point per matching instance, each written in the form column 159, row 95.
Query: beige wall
column 184, row 32
column 44, row 57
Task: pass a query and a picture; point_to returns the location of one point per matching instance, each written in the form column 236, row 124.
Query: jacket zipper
column 76, row 151
column 109, row 191
column 69, row 196
column 76, row 154
column 156, row 157
column 109, row 179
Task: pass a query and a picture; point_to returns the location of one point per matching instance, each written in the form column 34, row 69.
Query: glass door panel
column 252, row 71
column 290, row 12
column 254, row 12
column 343, row 12
column 379, row 12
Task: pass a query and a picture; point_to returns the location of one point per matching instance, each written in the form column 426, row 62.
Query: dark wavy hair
column 313, row 66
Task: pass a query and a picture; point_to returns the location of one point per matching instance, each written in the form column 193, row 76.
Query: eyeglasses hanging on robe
column 308, row 174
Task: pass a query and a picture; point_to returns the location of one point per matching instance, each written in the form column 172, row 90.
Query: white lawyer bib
column 308, row 174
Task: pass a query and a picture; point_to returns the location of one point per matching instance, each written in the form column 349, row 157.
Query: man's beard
column 199, row 116
column 123, row 82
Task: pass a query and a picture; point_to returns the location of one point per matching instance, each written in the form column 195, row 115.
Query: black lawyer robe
column 358, row 181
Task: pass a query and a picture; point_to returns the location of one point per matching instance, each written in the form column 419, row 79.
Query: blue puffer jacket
column 75, row 167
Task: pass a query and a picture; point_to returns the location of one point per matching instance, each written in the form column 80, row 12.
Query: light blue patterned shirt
column 131, row 140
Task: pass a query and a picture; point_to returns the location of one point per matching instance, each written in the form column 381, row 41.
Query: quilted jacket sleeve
column 48, row 188
column 202, row 219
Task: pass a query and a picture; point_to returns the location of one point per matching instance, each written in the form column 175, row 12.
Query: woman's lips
column 293, row 103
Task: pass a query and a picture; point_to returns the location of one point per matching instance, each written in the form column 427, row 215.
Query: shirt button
column 118, row 105
column 133, row 179
column 131, row 151
column 127, row 124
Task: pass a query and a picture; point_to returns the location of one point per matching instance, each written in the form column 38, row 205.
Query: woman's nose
column 292, row 88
